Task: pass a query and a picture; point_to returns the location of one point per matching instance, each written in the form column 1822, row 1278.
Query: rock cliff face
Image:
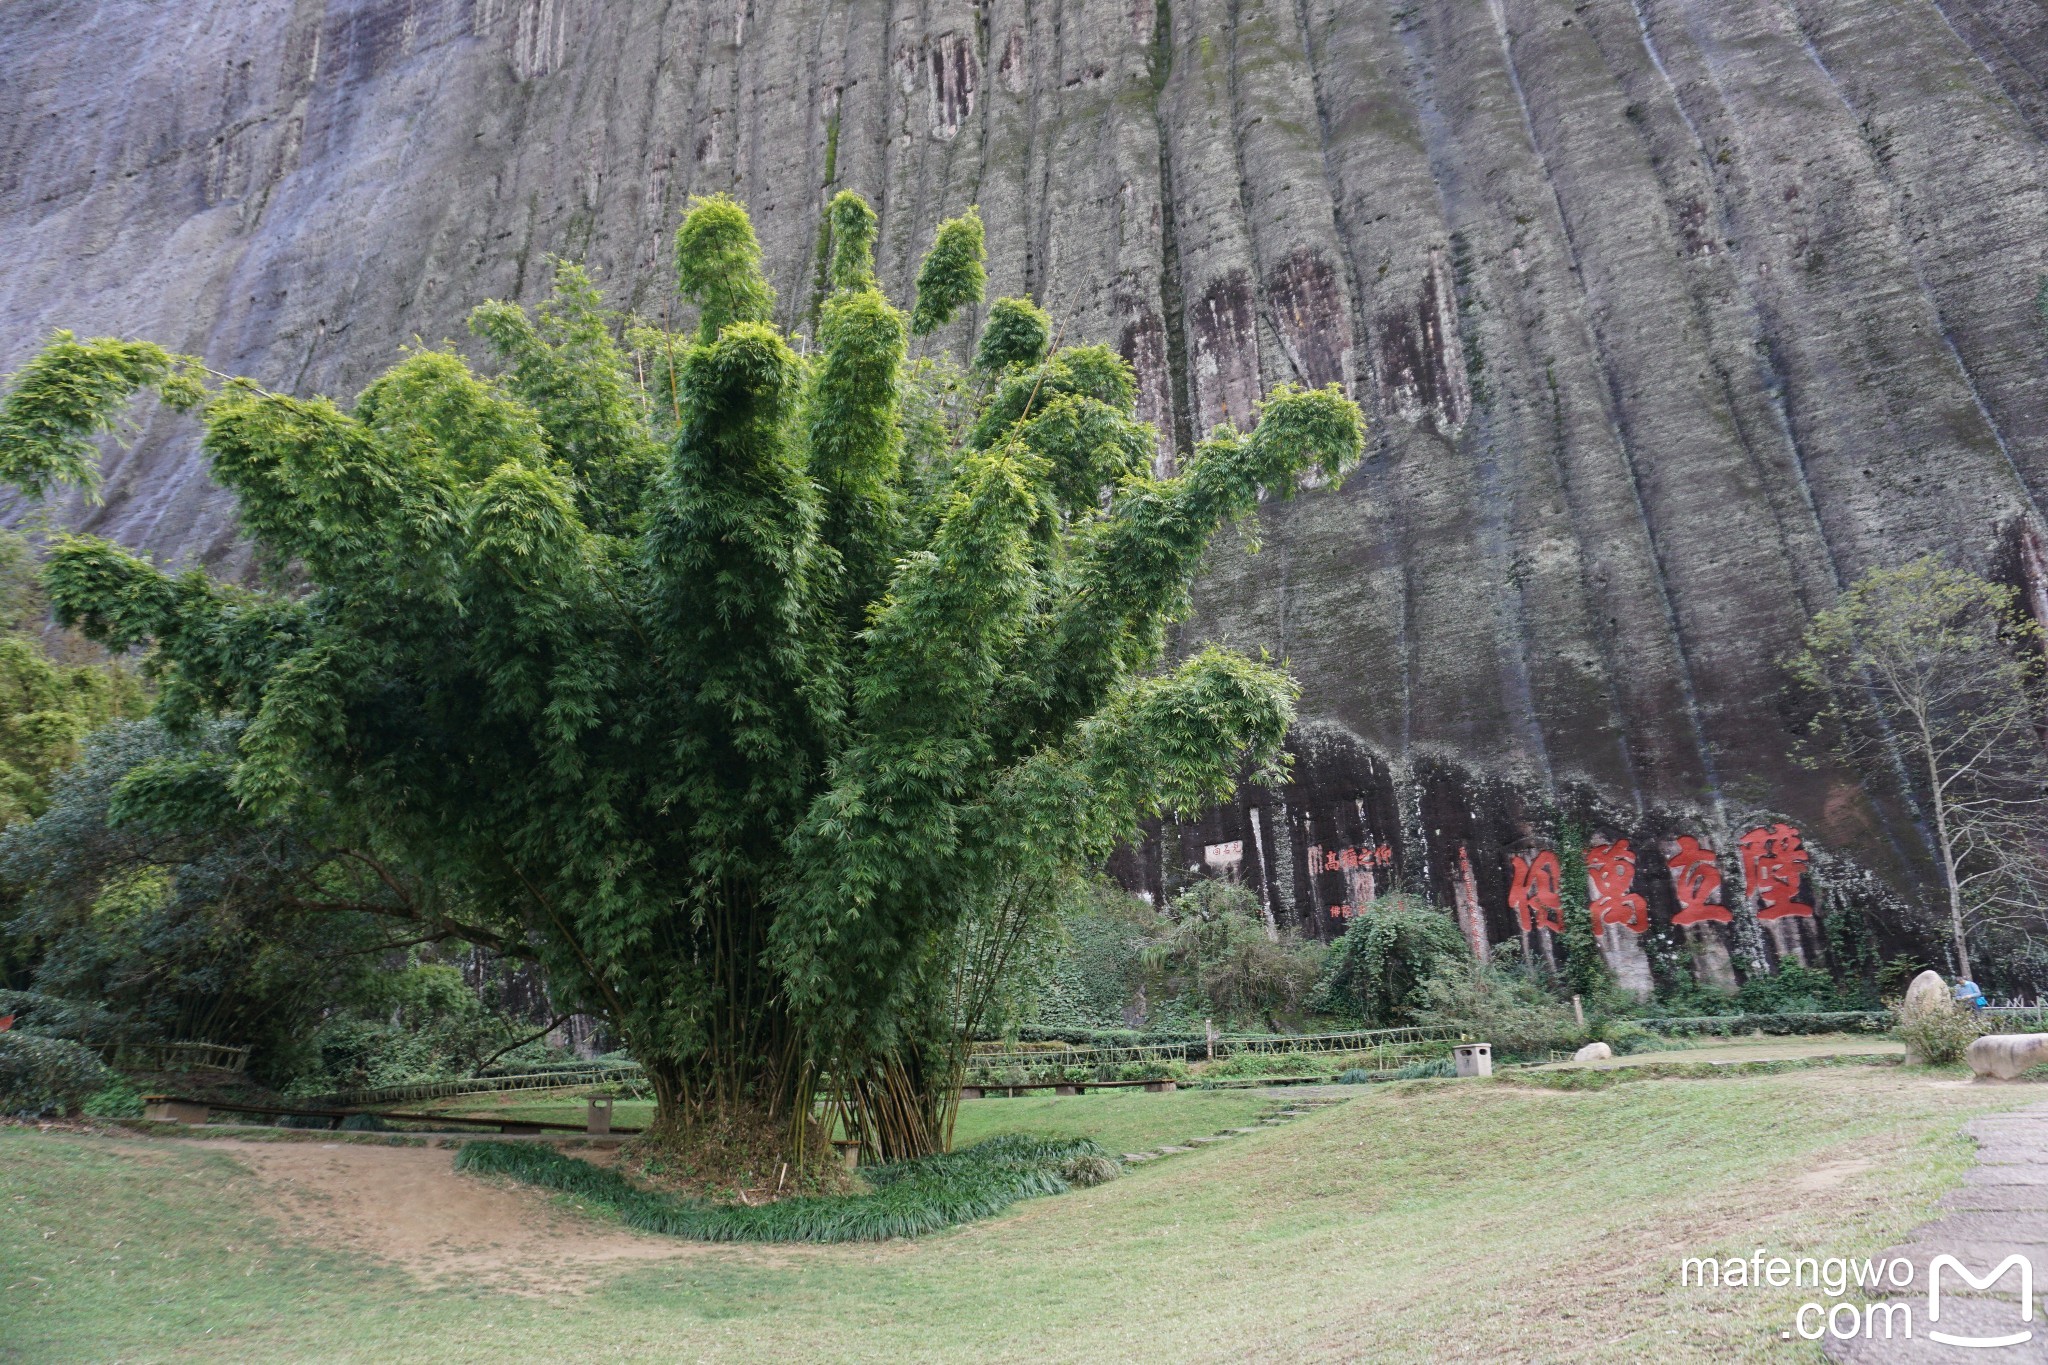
column 1670, row 316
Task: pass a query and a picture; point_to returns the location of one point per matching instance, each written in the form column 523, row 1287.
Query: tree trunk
column 902, row 1107
column 1945, row 846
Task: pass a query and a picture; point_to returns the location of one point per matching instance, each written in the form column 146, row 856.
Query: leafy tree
column 135, row 930
column 1494, row 1003
column 1214, row 947
column 46, row 706
column 952, row 275
column 1377, row 969
column 137, row 916
column 1019, row 332
column 765, row 746
column 1090, row 971
column 1931, row 678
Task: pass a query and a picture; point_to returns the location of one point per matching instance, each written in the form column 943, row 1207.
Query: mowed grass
column 1420, row 1221
column 1765, row 1049
column 547, row 1106
column 1121, row 1120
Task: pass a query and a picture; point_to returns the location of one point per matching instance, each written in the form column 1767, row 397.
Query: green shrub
column 1377, row 969
column 1212, row 951
column 117, row 1099
column 1626, row 1036
column 1792, row 989
column 1731, row 1025
column 908, row 1198
column 1430, row 1069
column 1940, row 1032
column 41, row 1076
column 1273, row 1064
column 1158, row 1069
column 1494, row 1005
column 1094, row 969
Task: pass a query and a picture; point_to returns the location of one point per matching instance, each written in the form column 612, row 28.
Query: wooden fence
column 178, row 1057
column 1378, row 1050
column 626, row 1074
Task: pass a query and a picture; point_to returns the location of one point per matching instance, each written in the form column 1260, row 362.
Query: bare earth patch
column 407, row 1205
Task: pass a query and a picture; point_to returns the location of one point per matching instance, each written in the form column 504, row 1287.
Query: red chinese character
column 1696, row 877
column 1330, row 862
column 1534, row 893
column 1772, row 863
column 1348, row 860
column 1384, row 855
column 1610, row 872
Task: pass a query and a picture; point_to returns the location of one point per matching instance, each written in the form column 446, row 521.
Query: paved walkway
column 2001, row 1210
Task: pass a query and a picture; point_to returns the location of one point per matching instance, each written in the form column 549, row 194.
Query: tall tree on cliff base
column 1931, row 678
column 762, row 740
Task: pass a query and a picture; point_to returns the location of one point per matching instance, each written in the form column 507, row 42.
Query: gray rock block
column 2003, row 1056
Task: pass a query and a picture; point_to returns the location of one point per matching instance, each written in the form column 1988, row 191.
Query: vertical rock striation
column 1670, row 315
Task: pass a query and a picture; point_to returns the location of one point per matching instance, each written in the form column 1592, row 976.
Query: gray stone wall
column 1670, row 315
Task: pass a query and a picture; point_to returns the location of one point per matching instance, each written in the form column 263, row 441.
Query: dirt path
column 408, row 1206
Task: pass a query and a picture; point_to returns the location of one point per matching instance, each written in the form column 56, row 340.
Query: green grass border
column 1599, row 1078
column 908, row 1198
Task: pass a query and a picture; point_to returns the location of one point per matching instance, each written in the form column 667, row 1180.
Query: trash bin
column 1473, row 1059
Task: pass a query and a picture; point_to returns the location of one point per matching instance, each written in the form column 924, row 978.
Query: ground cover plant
column 905, row 1199
column 761, row 717
column 1358, row 1217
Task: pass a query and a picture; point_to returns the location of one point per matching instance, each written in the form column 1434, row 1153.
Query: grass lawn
column 546, row 1106
column 1419, row 1221
column 1121, row 1120
column 1766, row 1049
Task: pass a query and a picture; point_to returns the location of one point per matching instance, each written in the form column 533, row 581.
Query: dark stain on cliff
column 1420, row 353
column 1309, row 306
column 1224, row 352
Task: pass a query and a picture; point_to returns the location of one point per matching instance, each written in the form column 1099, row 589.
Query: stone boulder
column 1594, row 1052
column 2003, row 1056
column 1928, row 989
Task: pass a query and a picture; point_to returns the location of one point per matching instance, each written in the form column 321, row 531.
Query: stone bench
column 170, row 1109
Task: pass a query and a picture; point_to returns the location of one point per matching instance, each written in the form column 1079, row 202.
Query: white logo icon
column 2026, row 1299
